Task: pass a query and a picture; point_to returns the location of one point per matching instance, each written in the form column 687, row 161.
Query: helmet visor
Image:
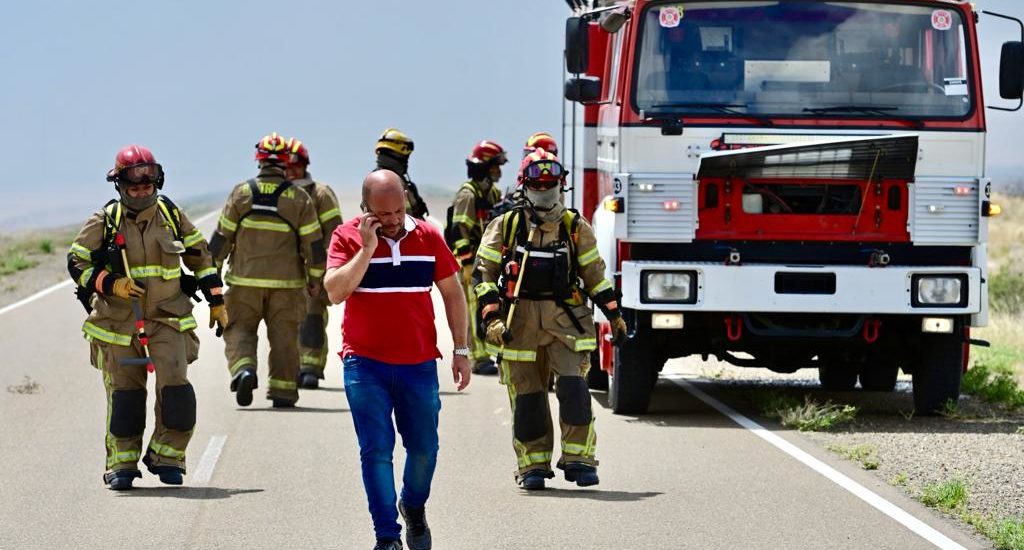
column 547, row 170
column 141, row 173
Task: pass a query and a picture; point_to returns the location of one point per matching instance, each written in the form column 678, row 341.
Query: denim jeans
column 375, row 390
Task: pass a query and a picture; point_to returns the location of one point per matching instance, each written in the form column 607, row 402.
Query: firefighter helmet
column 395, row 141
column 541, row 167
column 487, row 152
column 272, row 147
column 543, row 140
column 136, row 164
column 297, row 152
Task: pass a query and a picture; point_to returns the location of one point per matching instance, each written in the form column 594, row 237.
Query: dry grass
column 1006, row 233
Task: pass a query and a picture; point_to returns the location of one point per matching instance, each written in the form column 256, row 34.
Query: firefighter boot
column 278, row 403
column 242, row 384
column 417, row 532
column 169, row 475
column 533, row 480
column 584, row 475
column 120, row 480
column 388, row 544
column 309, row 380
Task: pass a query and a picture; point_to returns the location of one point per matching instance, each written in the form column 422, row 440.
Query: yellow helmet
column 394, row 140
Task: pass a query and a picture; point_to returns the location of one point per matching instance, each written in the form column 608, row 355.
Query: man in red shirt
column 383, row 265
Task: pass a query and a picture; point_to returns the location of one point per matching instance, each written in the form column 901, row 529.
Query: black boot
column 120, row 480
column 485, row 367
column 169, row 475
column 309, row 381
column 534, row 480
column 584, row 475
column 388, row 544
column 279, row 403
column 417, row 532
column 242, row 384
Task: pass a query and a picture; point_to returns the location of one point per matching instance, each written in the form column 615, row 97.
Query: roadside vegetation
column 865, row 453
column 25, row 251
column 807, row 415
column 953, row 495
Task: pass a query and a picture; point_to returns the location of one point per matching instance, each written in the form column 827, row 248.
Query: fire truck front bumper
column 712, row 287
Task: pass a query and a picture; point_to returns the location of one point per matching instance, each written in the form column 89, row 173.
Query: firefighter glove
column 126, row 288
column 618, row 330
column 496, row 332
column 219, row 317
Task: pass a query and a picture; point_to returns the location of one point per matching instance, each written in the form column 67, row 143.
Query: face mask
column 546, row 202
column 389, row 162
column 137, row 204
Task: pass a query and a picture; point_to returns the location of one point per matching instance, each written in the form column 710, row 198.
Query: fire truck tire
column 937, row 373
column 597, row 379
column 879, row 377
column 629, row 390
column 836, row 376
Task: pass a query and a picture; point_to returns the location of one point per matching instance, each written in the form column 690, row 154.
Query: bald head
column 384, row 197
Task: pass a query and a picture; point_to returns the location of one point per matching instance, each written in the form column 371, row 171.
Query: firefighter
column 270, row 231
column 536, row 266
column 127, row 263
column 393, row 150
column 467, row 218
column 313, row 331
column 543, row 140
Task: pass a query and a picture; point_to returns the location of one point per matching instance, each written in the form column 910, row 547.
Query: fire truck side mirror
column 577, row 45
column 583, row 90
column 1011, row 71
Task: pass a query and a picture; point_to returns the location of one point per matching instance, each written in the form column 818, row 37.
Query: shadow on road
column 296, row 410
column 189, row 493
column 328, row 390
column 604, row 496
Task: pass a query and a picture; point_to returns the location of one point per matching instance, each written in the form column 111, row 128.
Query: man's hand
column 313, row 288
column 460, row 371
column 126, row 288
column 496, row 332
column 368, row 226
column 219, row 317
column 619, row 330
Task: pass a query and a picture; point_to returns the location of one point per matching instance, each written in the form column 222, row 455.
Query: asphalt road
column 685, row 476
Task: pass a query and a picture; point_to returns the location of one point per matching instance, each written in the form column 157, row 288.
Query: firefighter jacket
column 470, row 213
column 157, row 241
column 564, row 313
column 325, row 202
column 270, row 231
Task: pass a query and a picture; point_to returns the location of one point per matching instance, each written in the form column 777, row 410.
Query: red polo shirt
column 390, row 316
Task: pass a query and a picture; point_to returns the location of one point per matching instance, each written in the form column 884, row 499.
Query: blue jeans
column 374, row 391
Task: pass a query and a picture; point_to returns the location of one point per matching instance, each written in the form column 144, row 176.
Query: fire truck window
column 798, row 58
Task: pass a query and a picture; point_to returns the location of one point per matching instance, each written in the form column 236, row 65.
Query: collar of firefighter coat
column 145, row 215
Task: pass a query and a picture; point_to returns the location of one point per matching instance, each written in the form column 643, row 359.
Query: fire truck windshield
column 803, row 59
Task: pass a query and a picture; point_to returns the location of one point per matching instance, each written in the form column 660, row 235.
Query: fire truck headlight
column 945, row 290
column 678, row 287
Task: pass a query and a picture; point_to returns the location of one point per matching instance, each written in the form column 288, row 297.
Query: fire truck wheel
column 937, row 373
column 837, row 376
column 597, row 379
column 630, row 386
column 879, row 377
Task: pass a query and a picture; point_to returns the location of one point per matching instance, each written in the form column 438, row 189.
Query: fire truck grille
column 944, row 211
column 661, row 208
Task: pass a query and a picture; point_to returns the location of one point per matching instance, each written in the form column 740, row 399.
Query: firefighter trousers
column 313, row 337
column 175, row 409
column 527, row 384
column 282, row 311
column 477, row 350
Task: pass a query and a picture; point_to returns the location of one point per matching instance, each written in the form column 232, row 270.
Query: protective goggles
column 141, row 174
column 543, row 170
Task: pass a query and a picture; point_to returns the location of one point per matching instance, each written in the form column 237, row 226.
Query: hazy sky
column 199, row 82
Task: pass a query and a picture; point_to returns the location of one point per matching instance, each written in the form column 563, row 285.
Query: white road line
column 69, row 282
column 204, row 472
column 867, row 495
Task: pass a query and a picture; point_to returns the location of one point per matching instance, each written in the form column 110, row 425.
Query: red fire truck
column 787, row 184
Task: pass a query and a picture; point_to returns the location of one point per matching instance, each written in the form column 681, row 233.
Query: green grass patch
column 949, row 496
column 13, row 261
column 1006, row 291
column 993, row 383
column 864, row 453
column 810, row 416
column 770, row 402
column 899, row 479
column 1006, row 534
column 46, row 246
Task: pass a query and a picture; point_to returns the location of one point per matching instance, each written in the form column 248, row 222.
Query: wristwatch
column 461, row 351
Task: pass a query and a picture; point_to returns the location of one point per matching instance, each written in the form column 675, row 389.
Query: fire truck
column 787, row 184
